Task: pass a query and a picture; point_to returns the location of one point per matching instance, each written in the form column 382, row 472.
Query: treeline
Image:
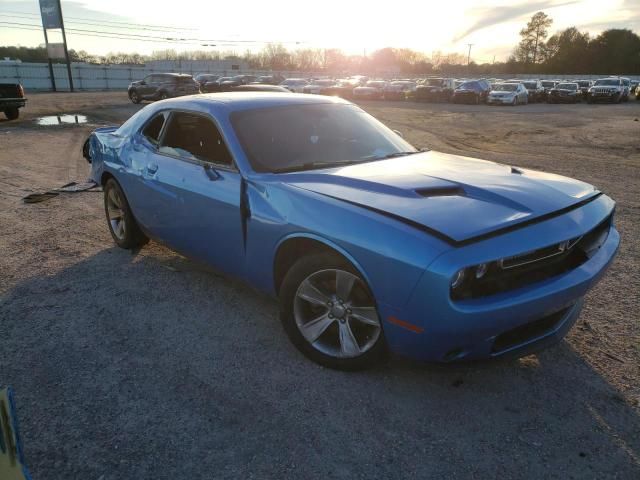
column 614, row 51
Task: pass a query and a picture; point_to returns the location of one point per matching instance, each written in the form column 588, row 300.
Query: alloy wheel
column 336, row 314
column 115, row 212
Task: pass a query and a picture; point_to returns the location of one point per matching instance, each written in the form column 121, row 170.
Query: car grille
column 535, row 266
column 602, row 90
column 528, row 331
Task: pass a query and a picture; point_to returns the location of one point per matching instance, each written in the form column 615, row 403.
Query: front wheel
column 134, row 97
column 329, row 313
column 122, row 225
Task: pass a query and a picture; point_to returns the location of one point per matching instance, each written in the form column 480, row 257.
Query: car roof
column 236, row 101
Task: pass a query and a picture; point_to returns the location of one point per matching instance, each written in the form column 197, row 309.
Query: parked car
column 508, row 94
column 245, row 79
column 567, row 92
column 159, row 86
column 583, row 86
column 473, row 91
column 435, row 90
column 295, row 85
column 369, row 244
column 342, row 88
column 12, row 99
column 633, row 86
column 316, row 86
column 547, row 85
column 606, row 89
column 626, row 89
column 270, row 79
column 208, row 82
column 372, row 90
column 535, row 90
column 399, row 89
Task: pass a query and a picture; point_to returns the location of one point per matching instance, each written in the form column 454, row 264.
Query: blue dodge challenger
column 370, row 244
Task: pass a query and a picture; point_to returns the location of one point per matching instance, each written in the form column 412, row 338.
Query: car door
column 148, row 88
column 138, row 184
column 194, row 190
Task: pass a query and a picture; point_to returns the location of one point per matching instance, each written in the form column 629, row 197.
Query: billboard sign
column 50, row 11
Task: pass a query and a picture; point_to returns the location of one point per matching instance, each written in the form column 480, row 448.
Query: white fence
column 35, row 76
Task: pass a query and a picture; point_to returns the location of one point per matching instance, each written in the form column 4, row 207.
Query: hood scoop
column 441, row 192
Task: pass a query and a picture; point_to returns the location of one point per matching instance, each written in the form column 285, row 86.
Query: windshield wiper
column 314, row 166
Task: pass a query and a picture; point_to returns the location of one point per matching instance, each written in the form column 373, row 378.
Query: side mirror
column 399, row 133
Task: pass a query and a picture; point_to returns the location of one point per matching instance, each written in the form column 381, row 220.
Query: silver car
column 508, row 94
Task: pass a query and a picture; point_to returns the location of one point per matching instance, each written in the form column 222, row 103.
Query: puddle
column 65, row 119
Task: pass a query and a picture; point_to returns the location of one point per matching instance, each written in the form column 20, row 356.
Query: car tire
column 334, row 337
column 122, row 225
column 86, row 149
column 12, row 113
column 134, row 97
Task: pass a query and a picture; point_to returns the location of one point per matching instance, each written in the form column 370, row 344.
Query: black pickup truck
column 11, row 99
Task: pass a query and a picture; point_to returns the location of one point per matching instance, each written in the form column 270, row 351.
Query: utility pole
column 469, row 54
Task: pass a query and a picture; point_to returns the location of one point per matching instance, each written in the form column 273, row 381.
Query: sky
column 355, row 27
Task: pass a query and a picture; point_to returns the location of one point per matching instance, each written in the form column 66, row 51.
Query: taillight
column 20, row 91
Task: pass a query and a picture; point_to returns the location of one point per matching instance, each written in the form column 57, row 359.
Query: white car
column 296, row 85
column 508, row 94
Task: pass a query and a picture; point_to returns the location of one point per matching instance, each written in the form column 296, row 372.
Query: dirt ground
column 153, row 366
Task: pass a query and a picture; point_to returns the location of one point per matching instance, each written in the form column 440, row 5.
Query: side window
column 194, row 136
column 152, row 130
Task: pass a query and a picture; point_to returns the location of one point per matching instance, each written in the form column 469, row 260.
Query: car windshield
column 435, row 82
column 608, row 82
column 305, row 137
column 530, row 85
column 548, row 84
column 375, row 84
column 568, row 86
column 584, row 83
column 505, row 87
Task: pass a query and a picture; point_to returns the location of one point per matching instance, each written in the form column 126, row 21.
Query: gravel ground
column 152, row 366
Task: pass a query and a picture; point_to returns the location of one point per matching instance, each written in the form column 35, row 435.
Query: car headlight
column 458, row 279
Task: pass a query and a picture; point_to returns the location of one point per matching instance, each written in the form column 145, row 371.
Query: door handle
column 152, row 168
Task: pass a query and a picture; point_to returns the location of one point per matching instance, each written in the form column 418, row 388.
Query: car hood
column 460, row 199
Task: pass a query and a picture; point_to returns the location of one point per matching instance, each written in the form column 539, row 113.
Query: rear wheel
column 12, row 113
column 122, row 225
column 330, row 314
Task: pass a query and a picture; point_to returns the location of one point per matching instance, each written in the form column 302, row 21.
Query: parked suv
column 535, row 90
column 11, row 99
column 159, row 86
column 435, row 89
column 472, row 91
column 606, row 89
